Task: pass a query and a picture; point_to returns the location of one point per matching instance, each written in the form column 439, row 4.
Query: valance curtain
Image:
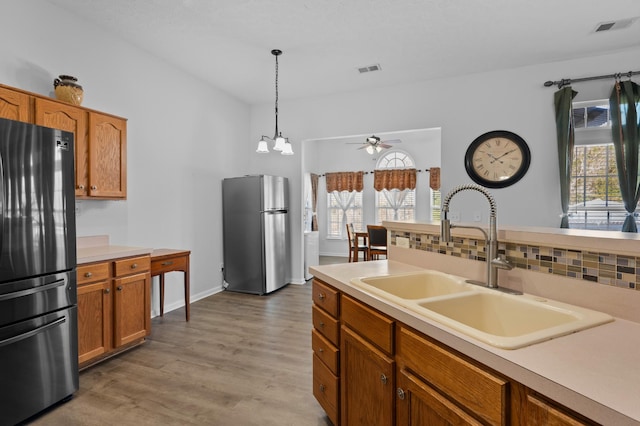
column 400, row 179
column 625, row 127
column 314, row 201
column 566, row 140
column 344, row 181
column 343, row 187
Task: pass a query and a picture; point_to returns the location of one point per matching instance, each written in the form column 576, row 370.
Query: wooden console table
column 170, row 260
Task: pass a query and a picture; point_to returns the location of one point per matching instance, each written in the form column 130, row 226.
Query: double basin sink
column 499, row 319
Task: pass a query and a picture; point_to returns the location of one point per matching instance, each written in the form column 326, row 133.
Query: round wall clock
column 497, row 159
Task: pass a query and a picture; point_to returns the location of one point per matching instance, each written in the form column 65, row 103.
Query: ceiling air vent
column 613, row 25
column 369, row 68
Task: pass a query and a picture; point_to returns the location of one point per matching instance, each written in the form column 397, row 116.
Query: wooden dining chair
column 354, row 245
column 377, row 241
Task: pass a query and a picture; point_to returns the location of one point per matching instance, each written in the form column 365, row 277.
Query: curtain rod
column 366, row 173
column 568, row 81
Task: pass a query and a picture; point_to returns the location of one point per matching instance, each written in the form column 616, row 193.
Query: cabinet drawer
column 325, row 389
column 324, row 350
column 160, row 266
column 370, row 324
column 326, row 325
column 92, row 272
column 132, row 265
column 326, row 297
column 472, row 387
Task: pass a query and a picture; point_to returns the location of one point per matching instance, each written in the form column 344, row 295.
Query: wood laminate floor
column 241, row 360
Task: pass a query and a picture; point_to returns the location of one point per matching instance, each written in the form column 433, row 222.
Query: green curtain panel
column 565, row 132
column 625, row 127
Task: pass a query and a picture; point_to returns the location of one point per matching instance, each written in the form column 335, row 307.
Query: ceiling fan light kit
column 280, row 143
column 373, row 144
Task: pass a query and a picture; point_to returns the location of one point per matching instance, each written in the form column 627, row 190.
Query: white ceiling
column 228, row 42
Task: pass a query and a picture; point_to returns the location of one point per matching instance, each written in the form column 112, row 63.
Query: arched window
column 395, row 204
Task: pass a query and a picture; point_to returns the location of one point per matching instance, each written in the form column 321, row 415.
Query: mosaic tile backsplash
column 604, row 268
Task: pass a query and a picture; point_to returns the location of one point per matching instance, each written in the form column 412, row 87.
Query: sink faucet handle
column 501, row 263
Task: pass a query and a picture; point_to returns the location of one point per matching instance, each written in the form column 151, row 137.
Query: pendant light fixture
column 281, row 143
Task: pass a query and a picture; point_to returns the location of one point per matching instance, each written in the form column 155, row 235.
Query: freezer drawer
column 39, row 364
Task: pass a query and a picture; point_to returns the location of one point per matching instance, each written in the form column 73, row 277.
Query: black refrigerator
column 38, row 312
column 255, row 220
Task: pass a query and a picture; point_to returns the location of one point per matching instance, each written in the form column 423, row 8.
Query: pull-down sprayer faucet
column 494, row 262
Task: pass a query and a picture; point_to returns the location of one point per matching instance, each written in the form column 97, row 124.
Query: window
column 395, row 204
column 595, row 201
column 340, row 205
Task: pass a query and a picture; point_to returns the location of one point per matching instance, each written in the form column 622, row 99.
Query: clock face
column 497, row 159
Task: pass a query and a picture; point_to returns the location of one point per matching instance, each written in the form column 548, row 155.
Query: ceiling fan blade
column 364, row 146
column 384, row 145
column 392, row 141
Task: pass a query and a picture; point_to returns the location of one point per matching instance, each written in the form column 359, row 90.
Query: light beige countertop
column 595, row 372
column 97, row 249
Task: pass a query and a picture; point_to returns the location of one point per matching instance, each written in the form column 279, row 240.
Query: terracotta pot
column 68, row 90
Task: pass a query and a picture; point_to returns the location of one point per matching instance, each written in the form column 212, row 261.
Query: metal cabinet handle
column 321, row 324
column 321, row 296
column 383, row 379
column 88, row 274
column 322, row 388
column 119, row 288
column 170, row 262
column 80, row 186
column 94, row 187
column 400, row 393
column 134, row 266
column 107, row 290
column 320, row 350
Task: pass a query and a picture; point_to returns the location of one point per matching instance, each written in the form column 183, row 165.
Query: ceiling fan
column 373, row 144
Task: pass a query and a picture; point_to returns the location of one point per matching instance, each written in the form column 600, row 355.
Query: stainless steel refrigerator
column 255, row 219
column 38, row 312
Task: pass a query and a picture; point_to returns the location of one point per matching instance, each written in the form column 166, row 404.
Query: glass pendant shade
column 262, row 147
column 280, row 142
column 378, row 148
column 287, row 150
column 370, row 149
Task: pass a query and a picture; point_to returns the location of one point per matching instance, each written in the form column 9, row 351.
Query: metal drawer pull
column 322, row 388
column 107, row 290
column 94, row 187
column 167, row 263
column 119, row 288
column 134, row 266
column 80, row 186
column 400, row 393
column 320, row 350
column 383, row 379
column 34, row 290
column 321, row 296
column 321, row 324
column 88, row 274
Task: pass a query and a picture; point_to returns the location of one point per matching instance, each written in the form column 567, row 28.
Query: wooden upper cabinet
column 107, row 156
column 71, row 119
column 100, row 140
column 14, row 105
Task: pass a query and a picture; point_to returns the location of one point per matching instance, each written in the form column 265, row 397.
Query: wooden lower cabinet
column 389, row 374
column 367, row 382
column 419, row 404
column 114, row 307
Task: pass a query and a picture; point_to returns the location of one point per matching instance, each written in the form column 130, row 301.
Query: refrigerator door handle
column 33, row 332
column 20, row 293
column 1, row 204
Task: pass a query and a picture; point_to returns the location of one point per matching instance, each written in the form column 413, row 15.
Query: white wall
column 464, row 108
column 177, row 129
column 178, row 126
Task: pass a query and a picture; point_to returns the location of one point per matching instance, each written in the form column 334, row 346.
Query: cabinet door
column 132, row 308
column 540, row 412
column 420, row 404
column 14, row 105
column 74, row 120
column 94, row 320
column 107, row 156
column 367, row 382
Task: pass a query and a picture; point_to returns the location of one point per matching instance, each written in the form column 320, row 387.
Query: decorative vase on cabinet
column 68, row 90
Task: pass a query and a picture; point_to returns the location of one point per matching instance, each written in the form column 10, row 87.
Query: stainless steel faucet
column 494, row 262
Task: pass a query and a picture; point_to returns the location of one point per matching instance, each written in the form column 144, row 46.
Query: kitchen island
column 591, row 375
